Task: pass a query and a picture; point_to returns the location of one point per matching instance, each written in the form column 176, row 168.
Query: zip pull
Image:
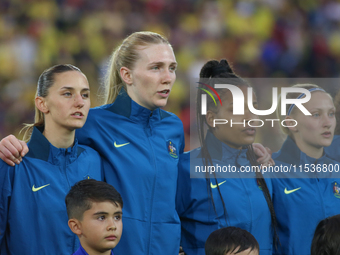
column 316, row 173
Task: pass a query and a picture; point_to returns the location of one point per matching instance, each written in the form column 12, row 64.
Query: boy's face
column 101, row 227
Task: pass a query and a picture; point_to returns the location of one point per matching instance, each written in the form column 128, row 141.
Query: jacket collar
column 40, row 148
column 81, row 251
column 125, row 106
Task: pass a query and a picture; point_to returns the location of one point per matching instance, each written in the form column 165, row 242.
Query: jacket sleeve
column 6, row 180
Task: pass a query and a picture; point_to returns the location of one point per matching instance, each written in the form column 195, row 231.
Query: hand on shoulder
column 12, row 150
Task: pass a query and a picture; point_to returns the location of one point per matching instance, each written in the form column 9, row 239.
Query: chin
column 112, row 245
column 74, row 127
column 161, row 103
column 248, row 140
column 79, row 124
column 326, row 143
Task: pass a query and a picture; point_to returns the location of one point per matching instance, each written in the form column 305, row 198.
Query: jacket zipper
column 250, row 205
column 320, row 195
column 149, row 134
column 64, row 170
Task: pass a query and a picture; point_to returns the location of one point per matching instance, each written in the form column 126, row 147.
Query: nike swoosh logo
column 34, row 189
column 215, row 186
column 291, row 191
column 120, row 145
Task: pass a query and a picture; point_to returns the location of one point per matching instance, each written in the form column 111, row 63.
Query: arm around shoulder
column 12, row 150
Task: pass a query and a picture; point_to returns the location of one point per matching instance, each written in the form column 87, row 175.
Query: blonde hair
column 286, row 130
column 45, row 82
column 126, row 55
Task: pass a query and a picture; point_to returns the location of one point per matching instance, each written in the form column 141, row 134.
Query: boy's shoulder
column 81, row 251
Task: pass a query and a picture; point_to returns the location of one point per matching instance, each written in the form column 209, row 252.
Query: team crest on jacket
column 336, row 189
column 172, row 149
column 86, row 177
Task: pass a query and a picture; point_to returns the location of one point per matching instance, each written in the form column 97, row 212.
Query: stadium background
column 261, row 38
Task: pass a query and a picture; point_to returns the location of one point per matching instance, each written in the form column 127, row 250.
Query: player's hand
column 264, row 155
column 12, row 150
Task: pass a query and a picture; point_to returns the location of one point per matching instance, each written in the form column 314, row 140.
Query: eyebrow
column 162, row 63
column 322, row 109
column 71, row 88
column 106, row 213
column 100, row 213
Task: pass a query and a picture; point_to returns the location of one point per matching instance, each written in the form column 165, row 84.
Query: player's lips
column 77, row 115
column 249, row 131
column 326, row 134
column 164, row 93
column 111, row 238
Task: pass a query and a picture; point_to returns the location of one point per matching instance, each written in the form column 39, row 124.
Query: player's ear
column 40, row 103
column 126, row 75
column 75, row 226
column 209, row 117
column 291, row 123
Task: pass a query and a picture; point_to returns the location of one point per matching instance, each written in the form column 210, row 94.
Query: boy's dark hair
column 85, row 192
column 230, row 239
column 326, row 240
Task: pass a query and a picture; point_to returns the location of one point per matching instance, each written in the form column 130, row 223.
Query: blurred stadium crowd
column 261, row 38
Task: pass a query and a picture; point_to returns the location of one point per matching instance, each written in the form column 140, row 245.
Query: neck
column 134, row 98
column 59, row 138
column 310, row 151
column 91, row 251
column 234, row 146
column 230, row 144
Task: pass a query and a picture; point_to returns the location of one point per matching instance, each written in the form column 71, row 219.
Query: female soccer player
column 303, row 198
column 140, row 143
column 244, row 200
column 32, row 210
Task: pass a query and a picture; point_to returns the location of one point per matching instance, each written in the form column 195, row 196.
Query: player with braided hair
column 207, row 204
